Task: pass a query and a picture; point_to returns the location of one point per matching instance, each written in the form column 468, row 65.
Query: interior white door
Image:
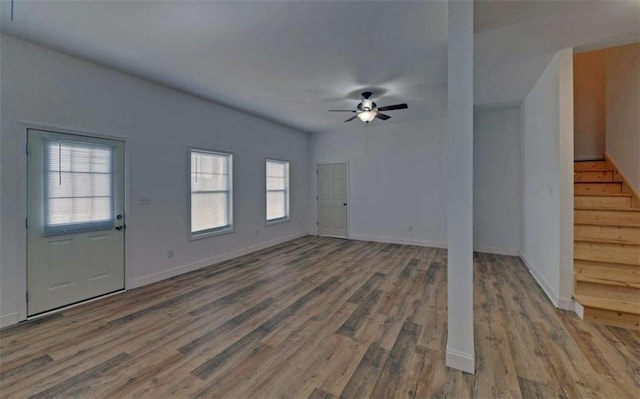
column 75, row 219
column 333, row 206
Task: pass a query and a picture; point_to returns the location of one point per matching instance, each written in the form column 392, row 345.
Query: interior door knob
column 344, row 204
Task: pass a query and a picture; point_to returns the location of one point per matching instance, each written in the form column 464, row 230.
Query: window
column 211, row 192
column 78, row 186
column 277, row 190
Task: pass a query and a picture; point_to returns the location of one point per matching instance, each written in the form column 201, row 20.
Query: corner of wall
column 546, row 287
column 565, row 172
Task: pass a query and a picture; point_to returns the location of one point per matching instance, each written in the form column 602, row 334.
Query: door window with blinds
column 78, row 186
column 277, row 190
column 211, row 192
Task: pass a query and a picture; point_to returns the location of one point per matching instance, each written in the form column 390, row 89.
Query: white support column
column 460, row 350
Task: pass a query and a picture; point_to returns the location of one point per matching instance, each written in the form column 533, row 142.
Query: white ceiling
column 287, row 61
column 515, row 40
column 290, row 61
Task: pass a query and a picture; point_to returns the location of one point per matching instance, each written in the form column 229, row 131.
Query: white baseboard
column 174, row 271
column 497, row 251
column 566, row 303
column 460, row 361
column 553, row 297
column 8, row 319
column 578, row 309
column 402, row 241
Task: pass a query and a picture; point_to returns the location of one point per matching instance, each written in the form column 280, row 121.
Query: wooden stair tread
column 608, row 304
column 593, row 176
column 597, row 182
column 607, row 216
column 601, row 201
column 618, row 234
column 612, row 318
column 584, row 258
column 603, row 281
column 606, row 273
column 588, row 259
column 605, row 195
column 597, row 188
column 605, row 241
column 606, row 281
column 627, row 254
column 601, row 224
column 591, row 166
column 603, row 263
column 586, row 208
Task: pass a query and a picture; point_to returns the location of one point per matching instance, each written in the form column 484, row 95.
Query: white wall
column 623, row 110
column 589, row 97
column 395, row 179
column 48, row 88
column 496, row 181
column 547, row 172
column 408, row 158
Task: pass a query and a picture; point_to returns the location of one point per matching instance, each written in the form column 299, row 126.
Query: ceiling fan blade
column 352, row 118
column 382, row 116
column 393, row 107
column 341, row 110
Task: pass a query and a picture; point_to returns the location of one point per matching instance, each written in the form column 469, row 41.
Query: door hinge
column 26, row 149
column 26, row 223
column 317, row 224
column 317, row 198
column 27, row 296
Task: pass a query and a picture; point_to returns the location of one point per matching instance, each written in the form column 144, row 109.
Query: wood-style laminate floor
column 318, row 318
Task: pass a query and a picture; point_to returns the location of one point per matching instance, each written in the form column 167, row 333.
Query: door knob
column 344, row 204
column 119, row 227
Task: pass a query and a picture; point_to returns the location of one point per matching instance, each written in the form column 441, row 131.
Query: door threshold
column 73, row 305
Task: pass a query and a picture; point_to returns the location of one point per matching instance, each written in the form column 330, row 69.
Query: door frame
column 22, row 265
column 348, row 197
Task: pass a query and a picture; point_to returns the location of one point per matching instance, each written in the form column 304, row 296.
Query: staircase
column 606, row 245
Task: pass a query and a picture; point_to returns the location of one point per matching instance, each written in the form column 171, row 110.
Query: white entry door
column 333, row 204
column 75, row 219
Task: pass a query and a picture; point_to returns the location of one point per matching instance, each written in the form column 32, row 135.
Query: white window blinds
column 78, row 186
column 277, row 190
column 211, row 195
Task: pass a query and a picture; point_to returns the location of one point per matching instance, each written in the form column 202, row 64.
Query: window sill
column 278, row 221
column 207, row 234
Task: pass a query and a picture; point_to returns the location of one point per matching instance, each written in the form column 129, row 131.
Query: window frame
column 287, row 216
column 49, row 230
column 230, row 228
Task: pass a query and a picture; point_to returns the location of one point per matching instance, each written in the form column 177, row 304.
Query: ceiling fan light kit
column 367, row 116
column 368, row 110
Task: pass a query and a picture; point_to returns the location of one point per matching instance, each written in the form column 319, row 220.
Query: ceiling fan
column 367, row 110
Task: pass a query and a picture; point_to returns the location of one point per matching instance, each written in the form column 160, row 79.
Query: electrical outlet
column 410, row 228
column 170, row 253
column 257, row 232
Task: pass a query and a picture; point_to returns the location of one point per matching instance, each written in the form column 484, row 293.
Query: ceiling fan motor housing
column 367, row 105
